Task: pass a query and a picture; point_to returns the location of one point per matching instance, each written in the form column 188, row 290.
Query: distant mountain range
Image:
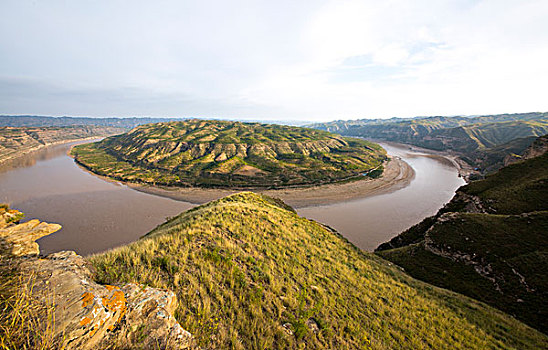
column 39, row 121
column 486, row 143
column 482, row 141
column 121, row 122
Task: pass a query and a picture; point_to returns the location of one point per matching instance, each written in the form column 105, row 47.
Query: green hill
column 250, row 273
column 230, row 154
column 481, row 141
column 490, row 242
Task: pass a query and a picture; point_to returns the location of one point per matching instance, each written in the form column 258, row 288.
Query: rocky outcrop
column 538, row 148
column 89, row 315
column 19, row 240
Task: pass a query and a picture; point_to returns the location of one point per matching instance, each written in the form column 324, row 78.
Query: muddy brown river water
column 97, row 215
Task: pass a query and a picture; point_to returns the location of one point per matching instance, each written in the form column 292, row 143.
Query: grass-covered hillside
column 250, row 273
column 490, row 242
column 494, row 158
column 482, row 141
column 17, row 141
column 230, row 154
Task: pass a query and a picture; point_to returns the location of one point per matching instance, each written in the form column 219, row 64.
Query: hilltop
column 14, row 142
column 231, row 154
column 490, row 242
column 250, row 273
column 482, row 141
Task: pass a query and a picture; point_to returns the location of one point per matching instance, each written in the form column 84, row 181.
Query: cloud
column 27, row 96
column 262, row 59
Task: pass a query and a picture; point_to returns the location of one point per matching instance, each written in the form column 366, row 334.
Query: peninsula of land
column 198, row 161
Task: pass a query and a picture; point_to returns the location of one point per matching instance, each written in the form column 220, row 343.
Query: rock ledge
column 89, row 315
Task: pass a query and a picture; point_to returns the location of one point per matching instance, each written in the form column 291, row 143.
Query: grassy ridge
column 250, row 273
column 230, row 154
column 516, row 189
column 490, row 242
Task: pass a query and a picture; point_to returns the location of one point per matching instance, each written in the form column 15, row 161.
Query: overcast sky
column 277, row 59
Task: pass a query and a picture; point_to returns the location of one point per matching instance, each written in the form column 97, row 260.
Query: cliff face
column 490, row 241
column 15, row 142
column 88, row 315
column 537, row 148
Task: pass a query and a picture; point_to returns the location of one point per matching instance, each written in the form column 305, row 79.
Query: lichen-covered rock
column 149, row 320
column 89, row 315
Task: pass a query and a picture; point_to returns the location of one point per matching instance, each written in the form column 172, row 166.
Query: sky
column 274, row 60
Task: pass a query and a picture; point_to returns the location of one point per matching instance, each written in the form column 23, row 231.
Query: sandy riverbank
column 397, row 174
column 446, row 157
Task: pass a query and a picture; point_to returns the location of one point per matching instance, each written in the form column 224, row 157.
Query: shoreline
column 397, row 174
column 463, row 168
column 31, row 150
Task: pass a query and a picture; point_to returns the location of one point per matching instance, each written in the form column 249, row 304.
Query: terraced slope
column 490, row 242
column 250, row 273
column 230, row 154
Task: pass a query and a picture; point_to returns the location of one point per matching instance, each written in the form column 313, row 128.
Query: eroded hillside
column 482, row 141
column 230, row 154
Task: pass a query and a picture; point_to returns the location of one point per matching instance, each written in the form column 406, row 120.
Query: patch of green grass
column 517, row 188
column 511, row 251
column 246, row 266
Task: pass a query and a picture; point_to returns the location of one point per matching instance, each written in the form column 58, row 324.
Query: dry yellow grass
column 250, row 273
column 25, row 323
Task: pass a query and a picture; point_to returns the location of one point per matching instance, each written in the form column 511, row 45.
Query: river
column 373, row 220
column 97, row 215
